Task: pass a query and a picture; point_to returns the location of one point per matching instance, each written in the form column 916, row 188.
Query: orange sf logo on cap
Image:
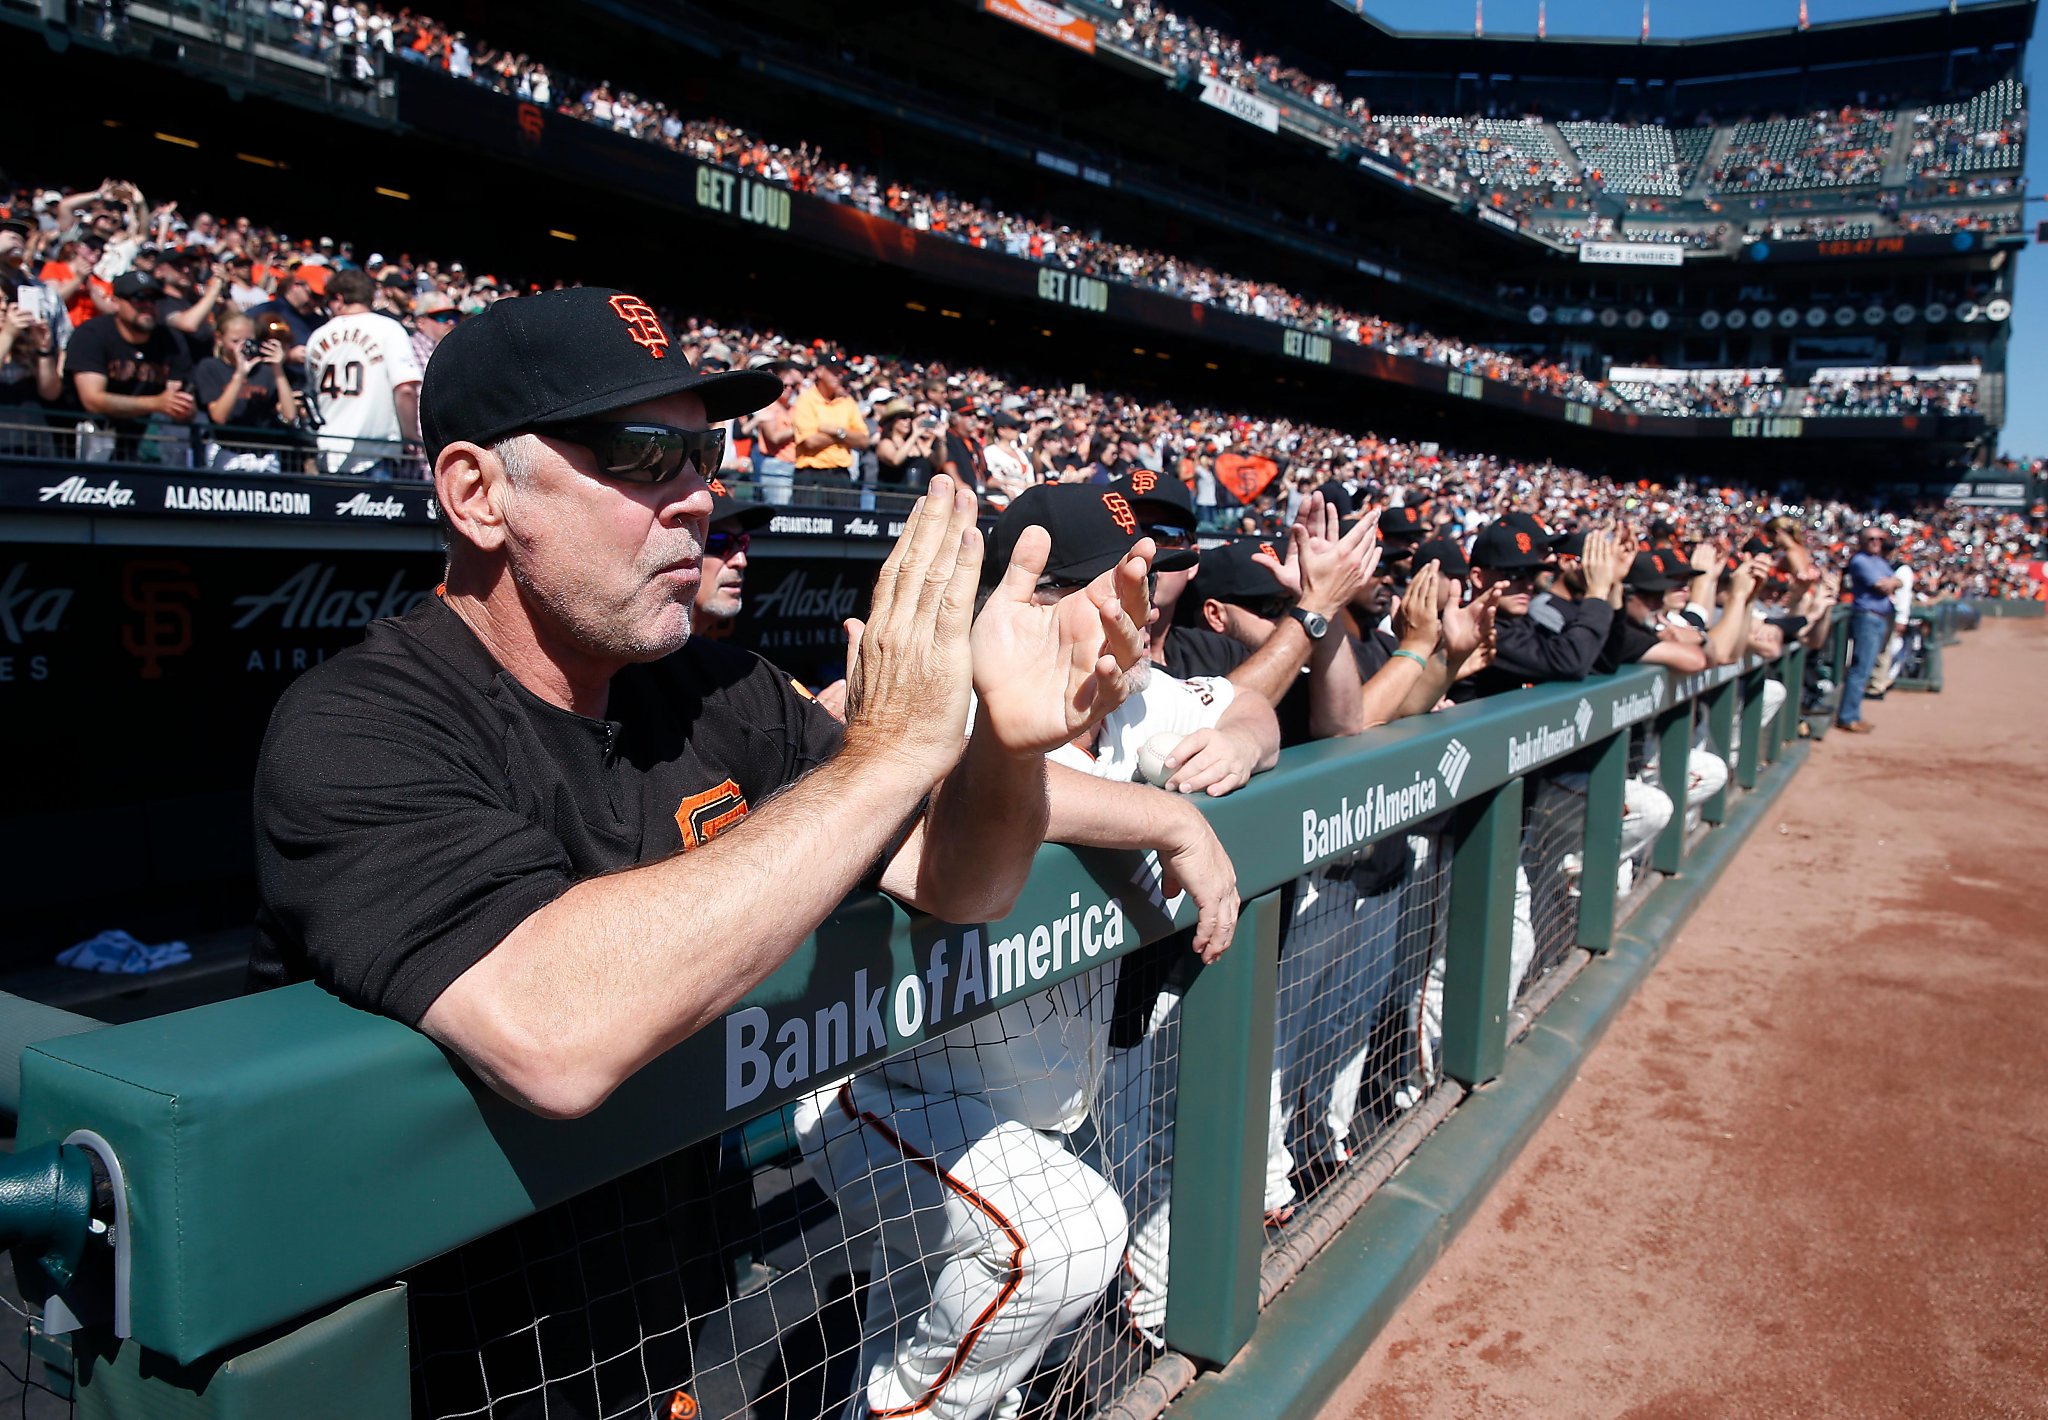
column 642, row 323
column 718, row 487
column 1267, row 548
column 1143, row 481
column 1121, row 511
column 1522, row 541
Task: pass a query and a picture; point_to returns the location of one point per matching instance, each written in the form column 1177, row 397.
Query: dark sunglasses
column 1066, row 585
column 643, row 453
column 726, row 544
column 1170, row 537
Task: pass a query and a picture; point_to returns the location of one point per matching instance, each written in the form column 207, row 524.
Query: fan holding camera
column 243, row 385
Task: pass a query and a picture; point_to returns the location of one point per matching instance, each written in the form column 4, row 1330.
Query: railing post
column 1720, row 702
column 1486, row 835
column 1674, row 777
column 1781, row 726
column 1795, row 691
column 1749, row 758
column 1600, row 854
column 1219, row 1124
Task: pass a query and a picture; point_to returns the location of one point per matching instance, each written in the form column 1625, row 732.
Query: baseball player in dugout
column 980, row 1263
column 537, row 820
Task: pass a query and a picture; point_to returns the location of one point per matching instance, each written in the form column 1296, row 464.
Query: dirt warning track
column 1806, row 1172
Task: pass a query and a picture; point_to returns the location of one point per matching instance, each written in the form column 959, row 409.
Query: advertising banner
column 1055, row 22
column 142, row 490
column 1260, row 113
column 1632, row 253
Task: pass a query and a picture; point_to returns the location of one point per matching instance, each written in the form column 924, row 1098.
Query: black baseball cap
column 727, row 509
column 1092, row 530
column 1228, row 574
column 1157, row 497
column 1529, row 523
column 137, row 286
column 567, row 355
column 1502, row 548
column 1405, row 523
column 1572, row 544
column 1647, row 574
column 1446, row 553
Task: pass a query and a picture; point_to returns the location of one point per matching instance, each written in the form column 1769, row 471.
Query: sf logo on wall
column 531, row 121
column 642, row 324
column 159, row 594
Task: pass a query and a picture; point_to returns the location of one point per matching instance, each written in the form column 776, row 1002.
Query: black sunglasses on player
column 634, row 452
column 726, row 544
column 1170, row 537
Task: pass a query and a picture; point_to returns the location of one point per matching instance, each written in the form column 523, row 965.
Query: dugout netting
column 888, row 1240
column 1547, row 876
column 1357, row 1030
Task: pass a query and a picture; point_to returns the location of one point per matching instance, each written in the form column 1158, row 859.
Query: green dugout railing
column 269, row 1165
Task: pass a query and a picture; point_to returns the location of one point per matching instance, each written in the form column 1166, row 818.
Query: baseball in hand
column 1152, row 758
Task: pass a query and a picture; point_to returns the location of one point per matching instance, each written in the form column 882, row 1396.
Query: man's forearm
column 1100, row 813
column 1725, row 640
column 980, row 834
column 620, row 968
column 1270, row 671
column 119, row 406
column 1401, row 688
column 1335, row 706
column 406, row 400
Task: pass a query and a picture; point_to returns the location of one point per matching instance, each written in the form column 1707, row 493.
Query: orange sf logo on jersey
column 642, row 324
column 702, row 817
column 1121, row 511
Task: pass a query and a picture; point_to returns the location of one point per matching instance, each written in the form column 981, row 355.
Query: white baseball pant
column 991, row 1238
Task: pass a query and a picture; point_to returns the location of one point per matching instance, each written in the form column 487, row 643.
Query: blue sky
column 2026, row 400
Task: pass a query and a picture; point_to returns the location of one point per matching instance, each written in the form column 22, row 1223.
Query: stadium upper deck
column 1383, row 269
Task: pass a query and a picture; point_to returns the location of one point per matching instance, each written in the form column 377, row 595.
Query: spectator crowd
column 63, row 255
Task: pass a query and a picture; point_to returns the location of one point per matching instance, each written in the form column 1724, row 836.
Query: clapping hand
column 1047, row 674
column 909, row 665
column 1324, row 570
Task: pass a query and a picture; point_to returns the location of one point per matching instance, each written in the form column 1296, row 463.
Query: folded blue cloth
column 116, row 953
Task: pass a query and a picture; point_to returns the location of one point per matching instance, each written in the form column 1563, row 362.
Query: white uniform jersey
column 354, row 368
column 1038, row 1061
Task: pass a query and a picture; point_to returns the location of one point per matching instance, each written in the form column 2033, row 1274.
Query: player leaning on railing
column 539, row 821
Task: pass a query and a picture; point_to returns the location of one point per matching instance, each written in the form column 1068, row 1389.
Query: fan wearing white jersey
column 364, row 381
column 992, row 1236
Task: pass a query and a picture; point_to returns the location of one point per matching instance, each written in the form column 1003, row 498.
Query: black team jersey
column 414, row 804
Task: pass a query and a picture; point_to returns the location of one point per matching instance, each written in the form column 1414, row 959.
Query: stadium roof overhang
column 1376, row 47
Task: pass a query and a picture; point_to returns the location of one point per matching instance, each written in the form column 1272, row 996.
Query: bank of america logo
column 1583, row 718
column 1657, row 692
column 1453, row 765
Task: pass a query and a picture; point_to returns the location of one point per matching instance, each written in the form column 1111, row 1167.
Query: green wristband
column 1419, row 660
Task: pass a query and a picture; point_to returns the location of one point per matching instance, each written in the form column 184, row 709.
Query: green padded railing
column 283, row 1152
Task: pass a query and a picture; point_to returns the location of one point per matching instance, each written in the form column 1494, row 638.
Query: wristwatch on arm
column 1313, row 622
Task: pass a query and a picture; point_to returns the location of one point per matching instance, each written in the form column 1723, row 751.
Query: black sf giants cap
column 1092, row 530
column 566, row 355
